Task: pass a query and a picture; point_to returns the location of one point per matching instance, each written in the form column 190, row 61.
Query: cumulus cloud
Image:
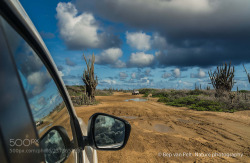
column 123, row 75
column 61, row 73
column 166, row 75
column 141, row 76
column 29, row 64
column 110, row 57
column 158, row 42
column 81, row 30
column 107, row 82
column 133, row 75
column 204, row 56
column 147, row 72
column 176, row 72
column 69, row 62
column 184, row 84
column 145, row 80
column 39, row 80
column 174, row 16
column 144, row 42
column 199, row 74
column 119, row 64
column 140, row 59
column 41, row 101
column 32, row 69
column 195, row 35
column 138, row 40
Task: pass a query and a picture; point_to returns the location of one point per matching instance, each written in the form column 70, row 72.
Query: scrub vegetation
column 202, row 100
column 78, row 96
column 219, row 99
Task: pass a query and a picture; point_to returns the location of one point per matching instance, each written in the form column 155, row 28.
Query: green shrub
column 243, row 91
column 146, row 91
column 160, row 94
column 193, row 102
column 201, row 100
column 103, row 93
column 195, row 92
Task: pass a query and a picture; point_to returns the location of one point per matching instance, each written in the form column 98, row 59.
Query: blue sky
column 157, row 44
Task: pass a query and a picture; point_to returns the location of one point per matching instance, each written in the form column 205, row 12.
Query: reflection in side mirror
column 55, row 144
column 107, row 132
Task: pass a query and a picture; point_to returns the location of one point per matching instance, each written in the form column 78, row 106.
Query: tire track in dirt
column 160, row 128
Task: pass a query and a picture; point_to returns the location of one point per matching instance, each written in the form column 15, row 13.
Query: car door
column 16, row 123
column 45, row 93
column 45, row 101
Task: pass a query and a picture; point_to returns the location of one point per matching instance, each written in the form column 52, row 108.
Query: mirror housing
column 56, row 144
column 107, row 132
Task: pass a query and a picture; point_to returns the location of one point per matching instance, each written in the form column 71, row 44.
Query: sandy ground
column 163, row 133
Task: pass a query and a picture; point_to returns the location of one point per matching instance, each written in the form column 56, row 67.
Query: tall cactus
column 248, row 75
column 222, row 79
column 89, row 78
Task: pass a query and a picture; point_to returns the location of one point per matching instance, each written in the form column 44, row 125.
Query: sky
column 168, row 44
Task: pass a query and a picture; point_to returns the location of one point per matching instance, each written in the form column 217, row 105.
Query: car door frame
column 23, row 26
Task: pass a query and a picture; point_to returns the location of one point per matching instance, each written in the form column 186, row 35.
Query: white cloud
column 38, row 80
column 158, row 42
column 119, row 64
column 184, row 84
column 133, row 75
column 138, row 40
column 177, row 72
column 81, row 31
column 61, row 73
column 145, row 80
column 166, row 75
column 111, row 57
column 140, row 59
column 200, row 74
column 123, row 75
column 107, row 81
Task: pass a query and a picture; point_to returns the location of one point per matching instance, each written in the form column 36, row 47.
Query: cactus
column 89, row 78
column 222, row 79
column 248, row 75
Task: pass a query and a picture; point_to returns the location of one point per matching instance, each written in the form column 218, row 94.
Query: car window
column 47, row 105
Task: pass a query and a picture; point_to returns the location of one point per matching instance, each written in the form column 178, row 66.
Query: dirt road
column 163, row 133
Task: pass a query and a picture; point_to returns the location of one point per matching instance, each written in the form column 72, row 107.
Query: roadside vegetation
column 201, row 100
column 219, row 99
column 79, row 97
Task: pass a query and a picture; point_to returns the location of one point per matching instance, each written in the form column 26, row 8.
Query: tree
column 89, row 78
column 248, row 75
column 222, row 79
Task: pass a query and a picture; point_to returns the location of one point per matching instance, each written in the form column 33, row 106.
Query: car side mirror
column 56, row 144
column 107, row 132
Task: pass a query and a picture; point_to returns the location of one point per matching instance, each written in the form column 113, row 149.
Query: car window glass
column 47, row 105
